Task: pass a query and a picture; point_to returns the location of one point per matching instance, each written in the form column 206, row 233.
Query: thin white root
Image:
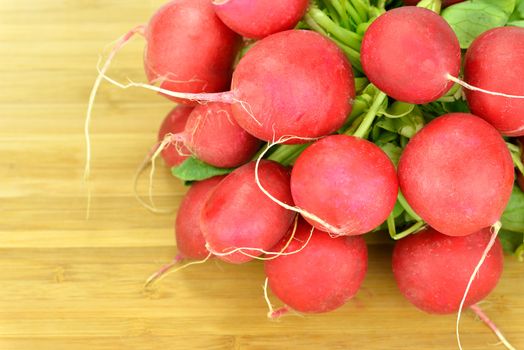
column 242, row 250
column 332, row 230
column 474, row 88
column 480, row 313
column 495, row 230
column 121, row 42
column 273, row 314
column 139, row 172
column 158, row 277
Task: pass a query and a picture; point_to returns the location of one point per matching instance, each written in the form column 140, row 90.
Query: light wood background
column 67, row 283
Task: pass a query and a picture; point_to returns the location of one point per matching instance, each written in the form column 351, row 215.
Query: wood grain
column 67, row 283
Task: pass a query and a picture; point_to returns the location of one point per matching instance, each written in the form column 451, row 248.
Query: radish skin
column 409, row 52
column 238, row 214
column 492, row 62
column 354, row 177
column 257, row 19
column 323, row 276
column 457, row 174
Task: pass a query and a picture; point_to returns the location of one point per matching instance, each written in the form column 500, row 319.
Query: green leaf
column 399, row 109
column 471, row 18
column 516, row 24
column 193, row 169
column 510, row 240
column 407, row 125
column 393, row 151
column 513, row 217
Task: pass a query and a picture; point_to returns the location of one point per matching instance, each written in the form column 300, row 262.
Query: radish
column 188, row 48
column 457, row 174
column 433, row 269
column 174, row 122
column 212, row 135
column 197, row 62
column 257, row 19
column 274, row 94
column 189, row 238
column 320, row 276
column 238, row 221
column 409, row 53
column 492, row 62
column 355, row 187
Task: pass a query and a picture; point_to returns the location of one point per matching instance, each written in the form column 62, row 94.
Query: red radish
column 273, row 98
column 457, row 174
column 409, row 53
column 322, row 275
column 348, row 182
column 238, row 215
column 188, row 48
column 493, row 61
column 189, row 238
column 433, row 269
column 257, row 19
column 175, row 122
column 213, row 136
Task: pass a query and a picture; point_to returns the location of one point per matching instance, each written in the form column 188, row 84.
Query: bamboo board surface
column 68, row 283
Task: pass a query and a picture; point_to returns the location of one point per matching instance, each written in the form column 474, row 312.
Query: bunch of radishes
column 356, row 121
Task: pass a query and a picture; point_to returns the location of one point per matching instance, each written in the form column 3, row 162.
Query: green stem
column 364, row 127
column 361, row 8
column 345, row 36
column 354, row 125
column 360, row 84
column 286, row 154
column 314, row 25
column 518, row 162
column 414, row 228
column 391, row 225
column 344, row 19
column 404, row 203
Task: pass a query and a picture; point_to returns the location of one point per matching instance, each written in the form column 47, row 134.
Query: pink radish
column 348, row 182
column 213, row 136
column 188, row 48
column 433, row 269
column 273, row 98
column 493, row 61
column 189, row 238
column 457, row 174
column 409, row 53
column 320, row 276
column 259, row 18
column 174, row 122
column 238, row 215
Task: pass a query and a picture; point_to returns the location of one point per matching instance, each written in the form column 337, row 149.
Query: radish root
column 275, row 254
column 168, row 269
column 474, row 88
column 332, row 230
column 478, row 311
column 495, row 231
column 273, row 314
column 120, row 43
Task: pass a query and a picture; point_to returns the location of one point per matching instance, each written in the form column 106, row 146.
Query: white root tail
column 495, row 230
column 120, row 43
column 274, row 255
column 167, row 270
column 332, row 230
column 480, row 313
column 475, row 88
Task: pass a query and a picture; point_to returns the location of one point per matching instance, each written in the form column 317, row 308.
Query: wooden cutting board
column 69, row 283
